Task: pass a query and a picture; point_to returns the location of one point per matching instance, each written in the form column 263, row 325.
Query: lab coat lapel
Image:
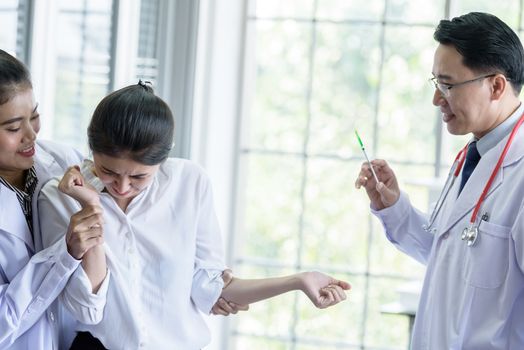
column 12, row 219
column 44, row 167
column 516, row 151
column 466, row 201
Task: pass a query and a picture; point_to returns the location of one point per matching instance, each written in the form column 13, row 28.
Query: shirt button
column 52, row 316
column 445, row 235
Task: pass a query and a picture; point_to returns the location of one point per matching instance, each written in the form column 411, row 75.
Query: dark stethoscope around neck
column 470, row 233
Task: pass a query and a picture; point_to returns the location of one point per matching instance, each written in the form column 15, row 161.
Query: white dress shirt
column 29, row 282
column 165, row 255
column 473, row 296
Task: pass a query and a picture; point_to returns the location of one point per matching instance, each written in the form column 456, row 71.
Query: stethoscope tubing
column 452, row 175
column 455, row 171
column 495, row 171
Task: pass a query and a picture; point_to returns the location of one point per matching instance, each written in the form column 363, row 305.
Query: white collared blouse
column 165, row 255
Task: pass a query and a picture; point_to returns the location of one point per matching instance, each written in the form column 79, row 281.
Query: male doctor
column 473, row 293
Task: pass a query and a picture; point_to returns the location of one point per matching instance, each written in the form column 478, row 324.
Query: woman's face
column 19, row 125
column 123, row 178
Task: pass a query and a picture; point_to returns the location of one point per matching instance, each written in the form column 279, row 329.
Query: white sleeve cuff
column 206, row 289
column 394, row 212
column 80, row 289
column 85, row 306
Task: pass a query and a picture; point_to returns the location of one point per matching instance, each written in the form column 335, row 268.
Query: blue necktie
column 472, row 159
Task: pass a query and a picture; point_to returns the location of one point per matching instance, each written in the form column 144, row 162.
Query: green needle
column 359, row 140
column 365, row 155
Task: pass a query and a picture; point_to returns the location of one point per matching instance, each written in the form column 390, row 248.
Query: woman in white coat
column 163, row 242
column 31, row 281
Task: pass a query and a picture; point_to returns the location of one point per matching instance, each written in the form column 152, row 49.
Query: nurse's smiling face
column 123, row 177
column 467, row 108
column 19, row 125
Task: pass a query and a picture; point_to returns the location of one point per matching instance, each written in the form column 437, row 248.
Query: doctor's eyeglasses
column 445, row 88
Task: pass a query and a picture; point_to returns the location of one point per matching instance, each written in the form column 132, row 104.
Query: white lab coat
column 473, row 297
column 29, row 282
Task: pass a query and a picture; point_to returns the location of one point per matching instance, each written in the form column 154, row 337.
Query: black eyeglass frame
column 445, row 87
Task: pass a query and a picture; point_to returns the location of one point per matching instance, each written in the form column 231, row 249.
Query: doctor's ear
column 499, row 85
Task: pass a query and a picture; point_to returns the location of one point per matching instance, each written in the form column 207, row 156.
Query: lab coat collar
column 12, row 219
column 467, row 200
column 44, row 163
column 44, row 167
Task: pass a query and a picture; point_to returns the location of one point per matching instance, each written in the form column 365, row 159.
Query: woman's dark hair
column 132, row 122
column 14, row 77
column 487, row 44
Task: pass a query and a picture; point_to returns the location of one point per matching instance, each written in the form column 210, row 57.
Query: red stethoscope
column 470, row 233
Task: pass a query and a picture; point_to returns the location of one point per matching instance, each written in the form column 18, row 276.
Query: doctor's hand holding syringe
column 386, row 192
column 379, row 180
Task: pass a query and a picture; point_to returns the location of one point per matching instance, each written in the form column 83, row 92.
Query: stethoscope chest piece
column 470, row 235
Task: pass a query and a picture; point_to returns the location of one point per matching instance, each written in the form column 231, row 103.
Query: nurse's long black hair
column 132, row 122
column 14, row 77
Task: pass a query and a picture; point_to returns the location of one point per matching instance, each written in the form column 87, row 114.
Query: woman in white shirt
column 31, row 281
column 163, row 243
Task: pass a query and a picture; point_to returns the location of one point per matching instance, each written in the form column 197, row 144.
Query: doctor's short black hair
column 487, row 44
column 132, row 122
column 14, row 77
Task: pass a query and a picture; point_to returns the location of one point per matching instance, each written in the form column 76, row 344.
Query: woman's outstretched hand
column 323, row 290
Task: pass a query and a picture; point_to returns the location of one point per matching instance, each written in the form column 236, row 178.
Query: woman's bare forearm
column 247, row 291
column 94, row 265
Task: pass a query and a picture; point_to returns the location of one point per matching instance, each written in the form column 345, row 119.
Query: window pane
column 346, row 71
column 278, row 114
column 335, row 231
column 8, row 33
column 245, row 342
column 147, row 58
column 90, row 6
column 351, row 10
column 274, row 234
column 83, row 61
column 8, row 5
column 340, row 323
column 385, row 330
column 278, row 8
column 271, row 318
column 507, row 10
column 407, row 116
column 14, row 33
column 411, row 11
